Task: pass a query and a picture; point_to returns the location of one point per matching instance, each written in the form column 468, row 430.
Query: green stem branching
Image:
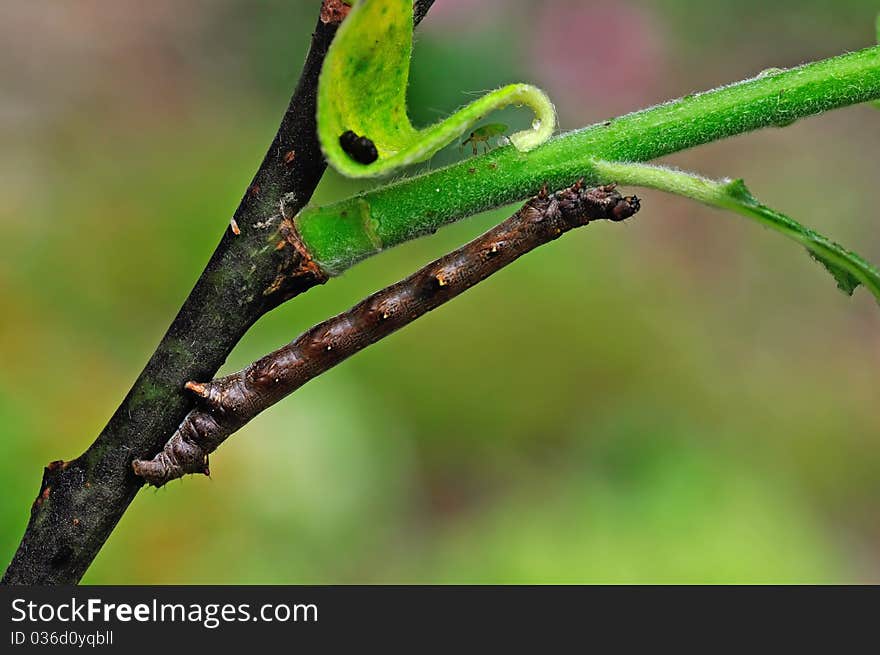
column 341, row 234
column 848, row 268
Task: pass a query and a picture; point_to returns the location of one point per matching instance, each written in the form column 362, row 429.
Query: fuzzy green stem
column 848, row 268
column 341, row 234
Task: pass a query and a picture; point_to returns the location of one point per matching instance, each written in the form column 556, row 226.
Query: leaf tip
column 544, row 123
column 846, row 281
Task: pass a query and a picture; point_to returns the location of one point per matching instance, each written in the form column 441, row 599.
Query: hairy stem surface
column 341, row 234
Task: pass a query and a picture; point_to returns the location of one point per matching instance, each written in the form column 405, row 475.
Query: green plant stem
column 341, row 234
column 848, row 268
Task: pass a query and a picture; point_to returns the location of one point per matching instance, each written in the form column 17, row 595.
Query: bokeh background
column 681, row 398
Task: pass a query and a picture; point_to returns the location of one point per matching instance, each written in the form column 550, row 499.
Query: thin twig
column 228, row 403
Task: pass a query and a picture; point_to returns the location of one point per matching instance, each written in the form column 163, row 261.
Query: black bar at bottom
column 333, row 619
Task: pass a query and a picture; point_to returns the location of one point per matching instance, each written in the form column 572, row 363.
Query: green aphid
column 482, row 135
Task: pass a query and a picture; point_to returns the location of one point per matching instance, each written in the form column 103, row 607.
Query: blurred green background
column 681, row 398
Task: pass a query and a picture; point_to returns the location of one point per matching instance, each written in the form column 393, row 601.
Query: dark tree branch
column 228, row 403
column 420, row 8
column 80, row 501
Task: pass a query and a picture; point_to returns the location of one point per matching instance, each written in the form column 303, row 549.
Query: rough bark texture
column 228, row 403
column 257, row 265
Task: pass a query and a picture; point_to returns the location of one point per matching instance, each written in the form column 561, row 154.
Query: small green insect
column 482, row 135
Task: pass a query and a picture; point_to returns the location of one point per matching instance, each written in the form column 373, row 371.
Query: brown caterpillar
column 226, row 404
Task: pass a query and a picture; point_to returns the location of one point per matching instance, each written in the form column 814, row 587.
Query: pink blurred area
column 593, row 58
column 605, row 56
column 92, row 52
column 468, row 15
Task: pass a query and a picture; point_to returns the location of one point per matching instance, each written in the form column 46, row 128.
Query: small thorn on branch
column 197, row 388
column 228, row 403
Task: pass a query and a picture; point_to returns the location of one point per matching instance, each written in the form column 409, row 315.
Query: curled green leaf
column 363, row 123
column 848, row 269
